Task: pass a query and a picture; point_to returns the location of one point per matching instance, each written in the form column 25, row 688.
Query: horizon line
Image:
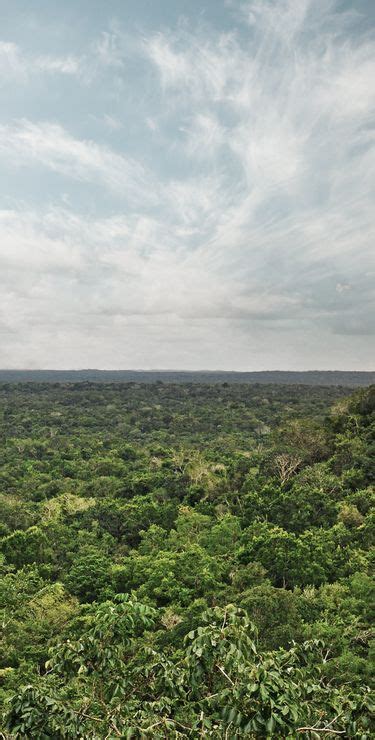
column 170, row 370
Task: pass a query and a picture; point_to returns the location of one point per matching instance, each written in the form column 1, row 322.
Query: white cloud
column 299, row 106
column 27, row 247
column 20, row 66
column 243, row 232
column 11, row 62
column 112, row 122
column 202, row 67
column 69, row 65
column 342, row 287
column 51, row 146
column 204, row 136
column 108, row 50
column 14, row 65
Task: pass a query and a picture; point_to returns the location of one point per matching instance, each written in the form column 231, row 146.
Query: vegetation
column 350, row 378
column 186, row 560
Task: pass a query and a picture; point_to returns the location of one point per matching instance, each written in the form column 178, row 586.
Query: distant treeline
column 350, row 379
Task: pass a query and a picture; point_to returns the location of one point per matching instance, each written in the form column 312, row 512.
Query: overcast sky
column 187, row 184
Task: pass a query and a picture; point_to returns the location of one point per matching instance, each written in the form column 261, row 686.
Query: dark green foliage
column 115, row 681
column 186, row 560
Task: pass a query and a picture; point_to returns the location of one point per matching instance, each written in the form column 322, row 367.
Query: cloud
column 11, row 62
column 121, row 266
column 241, row 225
column 104, row 54
column 197, row 64
column 108, row 50
column 297, row 100
column 204, row 136
column 112, row 122
column 342, row 287
column 51, row 146
column 14, row 65
column 69, row 65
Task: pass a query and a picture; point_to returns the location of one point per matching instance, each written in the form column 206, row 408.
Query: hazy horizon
column 178, row 370
column 187, row 184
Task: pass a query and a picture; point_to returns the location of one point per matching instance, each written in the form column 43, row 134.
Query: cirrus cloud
column 232, row 176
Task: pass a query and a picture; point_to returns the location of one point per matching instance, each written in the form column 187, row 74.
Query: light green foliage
column 25, row 547
column 32, row 612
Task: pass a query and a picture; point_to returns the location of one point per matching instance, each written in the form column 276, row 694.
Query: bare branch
column 320, row 729
column 225, row 674
column 286, row 465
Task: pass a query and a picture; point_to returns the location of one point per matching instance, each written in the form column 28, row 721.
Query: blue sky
column 187, row 184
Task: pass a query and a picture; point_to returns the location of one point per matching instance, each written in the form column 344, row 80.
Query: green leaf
column 270, row 725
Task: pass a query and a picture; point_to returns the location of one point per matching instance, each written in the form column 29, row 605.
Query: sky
column 187, row 184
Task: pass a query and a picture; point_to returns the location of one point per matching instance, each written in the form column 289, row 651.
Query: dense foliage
column 186, row 560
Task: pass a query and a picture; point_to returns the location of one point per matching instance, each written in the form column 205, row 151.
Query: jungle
column 186, row 560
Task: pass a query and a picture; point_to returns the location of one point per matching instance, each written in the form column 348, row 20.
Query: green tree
column 89, row 574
